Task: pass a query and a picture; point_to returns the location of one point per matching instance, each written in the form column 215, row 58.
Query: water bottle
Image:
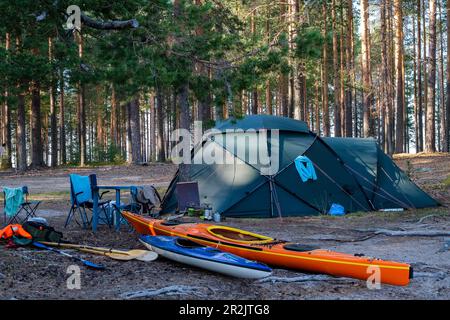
column 208, row 214
column 217, row 217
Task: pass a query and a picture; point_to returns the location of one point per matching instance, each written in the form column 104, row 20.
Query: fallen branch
column 389, row 233
column 426, row 217
column 171, row 290
column 274, row 279
column 427, row 233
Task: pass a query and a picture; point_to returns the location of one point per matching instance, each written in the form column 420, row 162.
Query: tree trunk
column 7, row 118
column 160, row 126
column 399, row 82
column 416, row 94
column 337, row 95
column 255, row 106
column 368, row 129
column 53, row 117
column 342, row 66
column 37, row 160
column 183, row 102
column 114, row 109
column 135, row 131
column 425, row 67
column 390, row 118
column 384, row 76
column 81, row 109
column 152, row 128
column 325, row 108
column 419, row 109
column 21, row 138
column 268, row 98
column 349, row 56
column 446, row 147
column 430, row 139
column 442, row 108
column 62, row 129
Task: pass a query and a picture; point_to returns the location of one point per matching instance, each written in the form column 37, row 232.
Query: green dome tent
column 353, row 173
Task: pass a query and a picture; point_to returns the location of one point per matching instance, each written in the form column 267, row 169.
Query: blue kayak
column 194, row 254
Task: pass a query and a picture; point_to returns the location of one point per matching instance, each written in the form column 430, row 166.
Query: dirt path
column 30, row 274
column 57, row 180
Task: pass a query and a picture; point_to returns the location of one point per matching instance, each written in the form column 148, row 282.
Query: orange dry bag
column 14, row 230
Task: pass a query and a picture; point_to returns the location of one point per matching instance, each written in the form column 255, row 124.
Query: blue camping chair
column 27, row 208
column 81, row 189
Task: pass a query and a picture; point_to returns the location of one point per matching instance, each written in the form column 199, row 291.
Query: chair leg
column 84, row 218
column 69, row 217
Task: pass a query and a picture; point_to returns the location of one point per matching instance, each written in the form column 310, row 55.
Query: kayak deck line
column 263, row 240
column 360, row 264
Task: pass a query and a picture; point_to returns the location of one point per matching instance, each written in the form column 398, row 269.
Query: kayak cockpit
column 237, row 235
column 186, row 243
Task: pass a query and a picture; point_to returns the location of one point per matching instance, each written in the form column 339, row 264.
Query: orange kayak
column 277, row 252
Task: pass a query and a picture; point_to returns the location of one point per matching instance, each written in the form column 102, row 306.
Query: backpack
column 42, row 232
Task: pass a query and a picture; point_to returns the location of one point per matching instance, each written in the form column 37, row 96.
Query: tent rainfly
column 353, row 173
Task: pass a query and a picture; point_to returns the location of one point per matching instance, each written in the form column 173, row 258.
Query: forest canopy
column 114, row 89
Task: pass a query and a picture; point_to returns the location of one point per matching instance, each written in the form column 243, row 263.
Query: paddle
column 141, row 255
column 85, row 262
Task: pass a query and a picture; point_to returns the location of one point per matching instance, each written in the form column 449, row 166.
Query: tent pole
column 273, row 193
column 271, row 198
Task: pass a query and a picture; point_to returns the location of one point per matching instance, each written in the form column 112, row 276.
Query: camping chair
column 26, row 208
column 81, row 189
column 147, row 198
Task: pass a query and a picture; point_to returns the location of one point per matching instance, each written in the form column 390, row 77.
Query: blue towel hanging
column 305, row 168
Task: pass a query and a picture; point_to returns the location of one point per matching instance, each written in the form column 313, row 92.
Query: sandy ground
column 26, row 273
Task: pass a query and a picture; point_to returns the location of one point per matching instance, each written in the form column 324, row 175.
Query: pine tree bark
column 342, row 67
column 368, row 129
column 135, row 131
column 7, row 117
column 384, row 76
column 183, row 102
column 446, row 146
column 21, row 138
column 416, row 87
column 430, row 139
column 81, row 109
column 349, row 56
column 325, row 107
column 160, row 106
column 53, row 113
column 113, row 123
column 62, row 128
column 37, row 159
column 399, row 82
column 152, row 128
column 419, row 109
column 336, row 68
column 425, row 71
column 442, row 110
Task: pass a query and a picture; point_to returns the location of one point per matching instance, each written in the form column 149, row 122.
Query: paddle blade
column 92, row 265
column 150, row 256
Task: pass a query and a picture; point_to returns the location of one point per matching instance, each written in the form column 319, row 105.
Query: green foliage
column 309, row 43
